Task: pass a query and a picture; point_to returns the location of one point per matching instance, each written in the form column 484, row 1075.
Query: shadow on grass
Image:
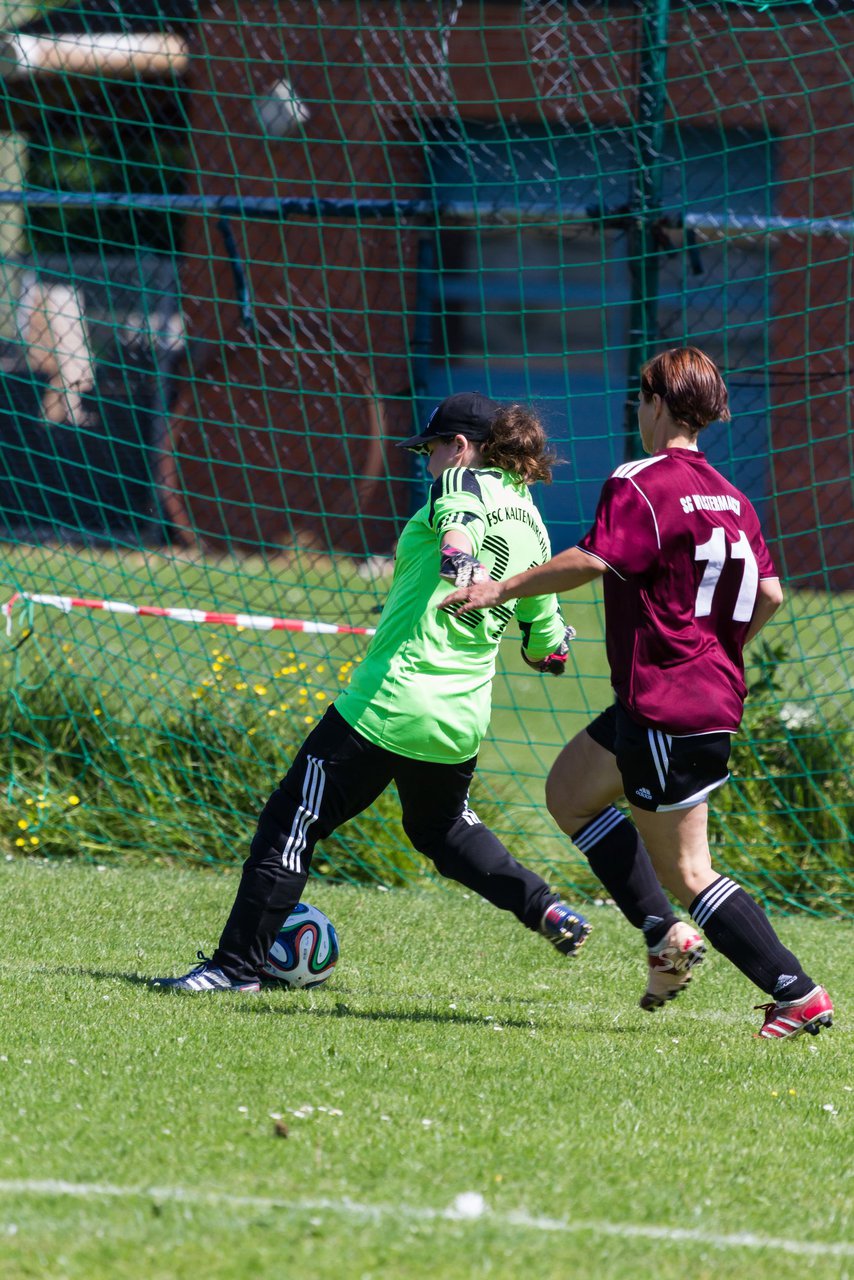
column 383, row 1015
column 107, row 975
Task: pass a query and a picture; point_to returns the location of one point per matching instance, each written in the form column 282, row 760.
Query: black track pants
column 337, row 774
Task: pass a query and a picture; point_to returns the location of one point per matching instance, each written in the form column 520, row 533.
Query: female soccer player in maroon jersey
column 688, row 581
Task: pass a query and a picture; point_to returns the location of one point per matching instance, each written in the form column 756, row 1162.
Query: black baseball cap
column 467, row 413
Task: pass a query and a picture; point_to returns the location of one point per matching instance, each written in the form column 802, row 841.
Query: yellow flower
column 20, row 843
column 73, row 800
column 22, row 824
column 34, row 840
column 216, row 666
column 251, row 731
column 29, row 800
column 272, row 712
column 320, row 669
column 260, row 689
column 320, row 696
column 308, row 720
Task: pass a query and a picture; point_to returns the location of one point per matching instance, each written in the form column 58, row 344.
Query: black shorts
column 660, row 771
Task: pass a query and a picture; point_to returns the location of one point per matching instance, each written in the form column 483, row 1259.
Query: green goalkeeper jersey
column 424, row 687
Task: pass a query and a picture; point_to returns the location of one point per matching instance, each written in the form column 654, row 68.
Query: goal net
column 248, row 247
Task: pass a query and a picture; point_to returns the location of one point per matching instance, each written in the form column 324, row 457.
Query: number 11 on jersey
column 715, row 552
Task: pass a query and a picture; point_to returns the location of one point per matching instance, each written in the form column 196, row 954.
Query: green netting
column 245, row 246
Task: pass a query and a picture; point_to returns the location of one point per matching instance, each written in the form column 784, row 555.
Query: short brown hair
column 690, row 385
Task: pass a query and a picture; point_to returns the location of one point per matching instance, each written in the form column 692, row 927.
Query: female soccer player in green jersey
column 418, row 706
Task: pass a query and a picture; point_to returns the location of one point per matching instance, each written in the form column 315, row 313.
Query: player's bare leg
column 580, row 790
column 583, row 780
column 678, row 844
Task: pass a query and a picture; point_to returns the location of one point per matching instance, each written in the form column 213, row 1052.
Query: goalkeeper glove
column 554, row 664
column 458, row 567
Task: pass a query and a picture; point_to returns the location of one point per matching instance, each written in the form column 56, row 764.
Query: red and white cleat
column 671, row 964
column 789, row 1018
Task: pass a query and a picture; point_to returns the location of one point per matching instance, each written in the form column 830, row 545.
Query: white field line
column 347, row 1208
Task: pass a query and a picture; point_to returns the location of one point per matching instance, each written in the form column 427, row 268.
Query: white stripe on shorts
column 308, row 812
column 659, row 748
column 712, row 899
column 697, row 798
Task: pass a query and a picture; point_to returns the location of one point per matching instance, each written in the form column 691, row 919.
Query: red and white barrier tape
column 250, row 621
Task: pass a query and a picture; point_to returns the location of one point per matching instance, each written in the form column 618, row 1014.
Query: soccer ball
column 306, row 949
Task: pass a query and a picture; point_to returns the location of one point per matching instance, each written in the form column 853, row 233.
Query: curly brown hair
column 518, row 443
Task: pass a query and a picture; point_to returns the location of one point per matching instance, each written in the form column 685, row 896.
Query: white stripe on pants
column 308, row 812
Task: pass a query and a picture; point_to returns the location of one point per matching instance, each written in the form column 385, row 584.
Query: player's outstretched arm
column 564, row 572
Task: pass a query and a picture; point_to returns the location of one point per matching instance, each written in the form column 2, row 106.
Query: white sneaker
column 671, row 964
column 205, row 977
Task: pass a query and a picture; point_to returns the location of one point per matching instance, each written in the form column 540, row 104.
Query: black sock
column 618, row 858
column 739, row 928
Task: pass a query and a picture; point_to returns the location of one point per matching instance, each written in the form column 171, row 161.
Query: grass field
column 451, row 1053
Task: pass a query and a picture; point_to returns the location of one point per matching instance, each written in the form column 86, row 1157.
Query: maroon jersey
column 686, row 554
